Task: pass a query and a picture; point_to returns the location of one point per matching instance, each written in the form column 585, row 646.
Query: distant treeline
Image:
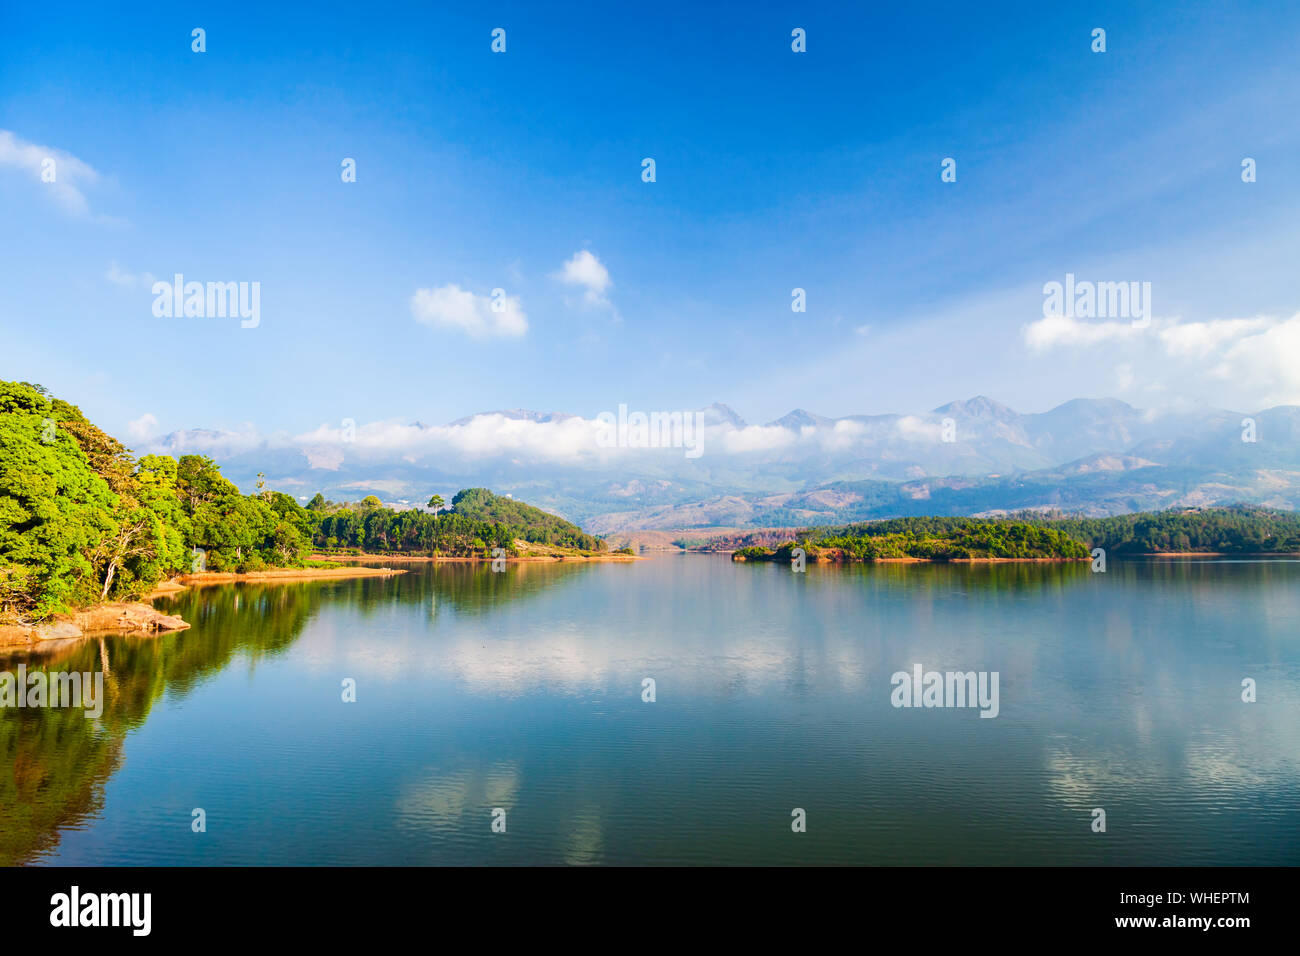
column 933, row 539
column 1238, row 529
column 478, row 520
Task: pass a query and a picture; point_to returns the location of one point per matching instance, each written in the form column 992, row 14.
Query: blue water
column 522, row 692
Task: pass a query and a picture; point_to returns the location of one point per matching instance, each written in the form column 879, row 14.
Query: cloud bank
column 1260, row 354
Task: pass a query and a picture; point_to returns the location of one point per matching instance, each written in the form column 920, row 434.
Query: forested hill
column 527, row 522
column 478, row 520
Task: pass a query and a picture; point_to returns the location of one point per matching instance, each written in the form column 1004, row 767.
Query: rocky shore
column 138, row 618
column 118, row 618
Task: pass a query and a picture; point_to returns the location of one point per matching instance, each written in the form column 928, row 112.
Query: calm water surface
column 522, row 690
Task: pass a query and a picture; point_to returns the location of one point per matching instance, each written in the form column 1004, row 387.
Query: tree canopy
column 81, row 520
column 477, row 522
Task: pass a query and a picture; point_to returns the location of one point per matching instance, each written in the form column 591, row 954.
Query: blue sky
column 775, row 170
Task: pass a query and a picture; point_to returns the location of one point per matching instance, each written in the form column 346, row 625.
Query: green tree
column 55, row 509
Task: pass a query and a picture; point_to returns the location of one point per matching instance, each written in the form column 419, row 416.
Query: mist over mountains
column 972, row 457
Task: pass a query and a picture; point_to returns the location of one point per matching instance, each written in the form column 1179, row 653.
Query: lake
column 522, row 692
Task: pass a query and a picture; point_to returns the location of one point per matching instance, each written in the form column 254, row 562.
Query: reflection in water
column 445, row 800
column 521, row 690
column 56, row 760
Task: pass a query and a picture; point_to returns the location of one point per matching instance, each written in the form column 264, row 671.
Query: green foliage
column 952, row 539
column 935, row 539
column 237, row 532
column 1240, row 529
column 55, row 510
column 477, row 522
column 531, row 524
column 82, row 521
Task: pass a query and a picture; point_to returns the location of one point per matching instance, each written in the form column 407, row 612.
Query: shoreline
column 1119, row 555
column 424, row 558
column 207, row 578
column 1213, row 554
column 140, row 617
column 116, row 617
column 840, row 559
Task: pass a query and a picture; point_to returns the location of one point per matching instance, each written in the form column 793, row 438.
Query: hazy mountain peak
column 801, row 418
column 978, row 407
column 719, row 414
column 1096, row 404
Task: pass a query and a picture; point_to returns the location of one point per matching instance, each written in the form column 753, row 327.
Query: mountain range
column 974, row 457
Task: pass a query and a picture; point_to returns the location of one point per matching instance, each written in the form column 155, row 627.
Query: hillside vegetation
column 933, row 539
column 82, row 521
column 1238, row 529
column 478, row 520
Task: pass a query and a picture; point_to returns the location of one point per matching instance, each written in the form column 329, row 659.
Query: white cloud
column 221, row 442
column 144, row 427
column 1268, row 359
column 70, row 175
column 478, row 316
column 560, row 440
column 841, row 435
column 483, row 436
column 1059, row 330
column 912, row 428
column 324, row 457
column 1199, row 339
column 755, row 438
column 1258, row 357
column 588, row 272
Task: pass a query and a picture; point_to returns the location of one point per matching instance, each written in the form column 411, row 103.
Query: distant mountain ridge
column 975, row 456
